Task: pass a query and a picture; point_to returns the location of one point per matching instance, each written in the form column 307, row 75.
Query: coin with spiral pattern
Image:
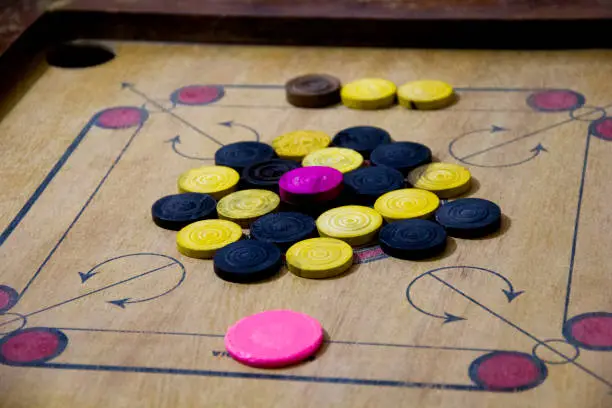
column 297, row 144
column 469, row 217
column 319, row 258
column 412, row 239
column 446, row 180
column 218, row 181
column 244, row 207
column 354, row 224
column 283, row 229
column 339, row 158
column 247, row 261
column 406, row 203
column 203, row 238
column 313, row 91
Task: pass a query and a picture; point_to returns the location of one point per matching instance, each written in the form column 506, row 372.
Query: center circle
column 544, row 351
column 10, row 322
column 588, row 113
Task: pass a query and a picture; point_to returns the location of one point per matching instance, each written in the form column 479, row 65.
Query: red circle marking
column 603, row 128
column 5, row 299
column 508, row 371
column 593, row 331
column 554, row 101
column 198, row 94
column 121, row 117
column 8, row 298
column 31, row 345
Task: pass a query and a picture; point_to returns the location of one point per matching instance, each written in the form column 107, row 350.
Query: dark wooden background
column 415, row 23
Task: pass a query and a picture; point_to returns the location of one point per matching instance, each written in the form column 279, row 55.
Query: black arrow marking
column 493, row 129
column 230, row 124
column 510, row 292
column 176, row 140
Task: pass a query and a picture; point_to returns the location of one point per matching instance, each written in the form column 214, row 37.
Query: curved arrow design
column 85, row 276
column 571, row 119
column 493, row 129
column 230, row 124
column 510, row 292
column 122, row 302
column 447, row 317
column 121, row 282
column 176, row 140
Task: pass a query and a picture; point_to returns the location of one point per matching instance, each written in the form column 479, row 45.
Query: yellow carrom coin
column 202, row 239
column 218, row 181
column 244, row 207
column 425, row 95
column 297, row 144
column 368, row 93
column 446, row 180
column 319, row 258
column 341, row 159
column 354, row 224
column 406, row 203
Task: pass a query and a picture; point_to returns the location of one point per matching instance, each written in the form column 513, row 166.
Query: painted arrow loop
column 230, row 124
column 535, row 153
column 493, row 129
column 490, row 130
column 509, row 292
column 176, row 140
column 125, row 301
column 447, row 317
column 85, row 276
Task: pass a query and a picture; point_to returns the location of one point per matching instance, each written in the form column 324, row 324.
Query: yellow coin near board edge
column 297, row 144
column 218, row 181
column 202, row 239
column 368, row 93
column 339, row 158
column 446, row 180
column 426, row 95
column 354, row 224
column 319, row 258
column 406, row 203
column 244, row 207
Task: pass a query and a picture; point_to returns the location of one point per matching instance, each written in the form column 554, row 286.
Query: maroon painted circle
column 555, row 100
column 121, row 117
column 5, row 299
column 8, row 298
column 33, row 345
column 602, row 128
column 197, row 94
column 593, row 332
column 507, row 371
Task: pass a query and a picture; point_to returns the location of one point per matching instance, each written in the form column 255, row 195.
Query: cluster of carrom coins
column 314, row 198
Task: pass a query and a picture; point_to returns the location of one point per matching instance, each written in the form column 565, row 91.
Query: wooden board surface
column 86, row 152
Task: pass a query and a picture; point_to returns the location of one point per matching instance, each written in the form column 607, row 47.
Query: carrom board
column 113, row 315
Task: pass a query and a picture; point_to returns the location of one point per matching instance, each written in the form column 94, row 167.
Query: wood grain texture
column 432, row 23
column 355, row 9
column 16, row 16
column 167, row 352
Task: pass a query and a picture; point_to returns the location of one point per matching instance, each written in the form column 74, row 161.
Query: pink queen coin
column 275, row 338
column 310, row 184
